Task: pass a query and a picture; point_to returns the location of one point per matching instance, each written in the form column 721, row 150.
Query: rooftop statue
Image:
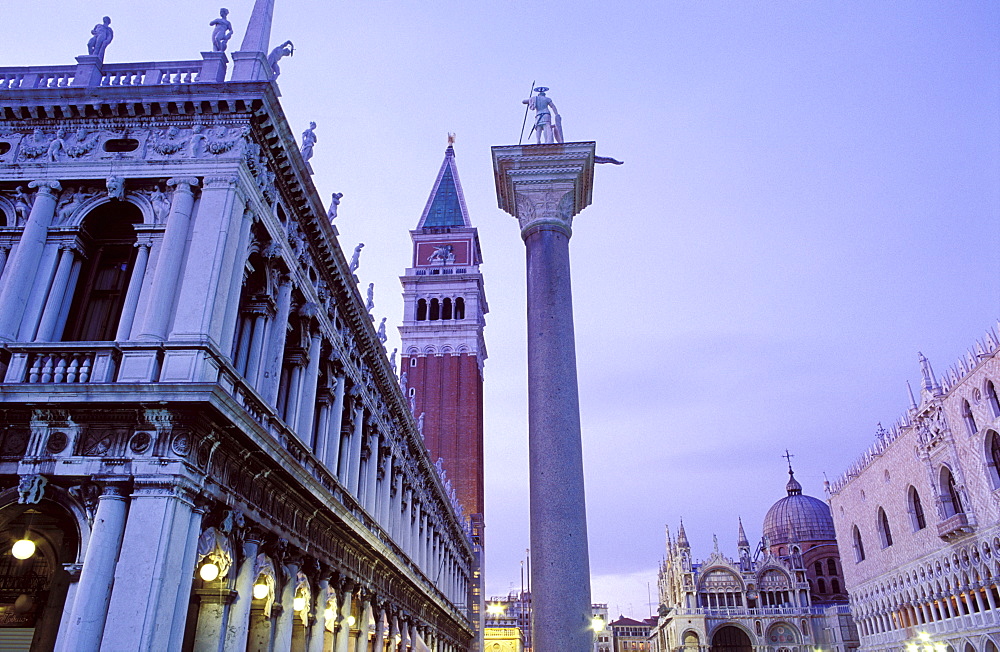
column 286, row 49
column 308, row 141
column 334, row 203
column 370, row 303
column 102, row 36
column 382, row 337
column 392, row 361
column 541, row 105
column 356, row 258
column 223, row 31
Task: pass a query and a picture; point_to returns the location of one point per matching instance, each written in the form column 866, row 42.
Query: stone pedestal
column 213, row 67
column 544, row 186
column 89, row 70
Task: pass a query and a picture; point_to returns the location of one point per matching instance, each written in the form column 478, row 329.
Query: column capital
column 544, row 186
column 46, row 186
column 220, row 182
column 184, row 184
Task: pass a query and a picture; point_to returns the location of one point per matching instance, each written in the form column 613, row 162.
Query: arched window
column 109, row 253
column 916, row 509
column 822, row 585
column 831, row 566
column 834, row 585
column 970, row 421
column 884, row 533
column 421, row 309
column 993, row 458
column 949, row 494
column 859, row 546
column 459, row 308
column 819, row 568
column 446, row 309
column 435, row 310
column 991, row 398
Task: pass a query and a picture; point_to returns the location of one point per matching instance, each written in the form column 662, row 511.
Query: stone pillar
column 396, row 506
column 385, row 494
column 90, row 610
column 3, row 258
column 344, row 631
column 371, row 474
column 256, row 345
column 274, row 352
column 354, row 462
column 141, row 614
column 22, row 267
column 332, row 451
column 378, row 612
column 53, row 303
column 286, row 621
column 239, row 612
column 406, row 520
column 186, row 575
column 318, row 632
column 231, row 313
column 393, row 630
column 167, row 273
column 132, row 295
column 307, row 395
column 544, row 187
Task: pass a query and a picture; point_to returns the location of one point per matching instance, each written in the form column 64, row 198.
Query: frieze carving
column 72, row 200
column 140, row 442
column 31, row 488
column 56, row 442
column 537, row 206
column 89, row 495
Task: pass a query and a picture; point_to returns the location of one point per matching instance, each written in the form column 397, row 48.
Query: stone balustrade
column 37, row 77
column 155, row 73
column 65, row 363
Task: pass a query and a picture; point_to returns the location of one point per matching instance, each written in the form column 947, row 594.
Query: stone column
column 238, row 263
column 544, row 187
column 22, row 267
column 274, row 352
column 393, row 619
column 239, row 612
column 53, row 303
column 90, row 610
column 3, row 258
column 144, row 597
column 371, row 475
column 186, row 575
column 378, row 612
column 354, row 462
column 318, row 632
column 332, row 451
column 307, row 395
column 259, row 317
column 385, row 493
column 396, row 505
column 344, row 633
column 132, row 295
column 167, row 273
column 286, row 621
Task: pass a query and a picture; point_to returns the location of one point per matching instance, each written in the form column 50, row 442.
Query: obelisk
column 544, row 186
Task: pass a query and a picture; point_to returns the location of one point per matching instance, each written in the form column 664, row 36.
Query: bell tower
column 443, row 348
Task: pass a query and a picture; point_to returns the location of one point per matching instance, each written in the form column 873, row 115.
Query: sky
column 810, row 196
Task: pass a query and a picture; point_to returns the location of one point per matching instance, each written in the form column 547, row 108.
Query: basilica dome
column 798, row 518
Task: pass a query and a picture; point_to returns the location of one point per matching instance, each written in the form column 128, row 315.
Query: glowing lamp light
column 924, row 637
column 261, row 591
column 597, row 624
column 298, row 604
column 495, row 609
column 23, row 549
column 209, row 572
column 328, row 614
column 350, row 621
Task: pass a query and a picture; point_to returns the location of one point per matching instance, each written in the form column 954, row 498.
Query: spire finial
column 742, row 540
column 788, row 456
column 451, row 138
column 793, row 487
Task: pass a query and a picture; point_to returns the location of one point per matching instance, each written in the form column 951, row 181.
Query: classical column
column 354, row 463
column 53, row 303
column 167, row 273
column 22, row 267
column 406, row 520
column 415, row 533
column 385, row 493
column 307, row 395
column 286, row 621
column 378, row 613
column 144, row 597
column 371, row 473
column 90, row 610
column 332, row 451
column 318, row 631
column 132, row 295
column 3, row 258
column 274, row 351
column 396, row 505
column 239, row 612
column 186, row 575
column 344, row 631
column 544, row 186
column 259, row 316
column 238, row 264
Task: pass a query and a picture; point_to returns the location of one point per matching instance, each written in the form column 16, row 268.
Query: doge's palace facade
column 202, row 443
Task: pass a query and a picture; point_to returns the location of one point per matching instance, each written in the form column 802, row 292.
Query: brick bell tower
column 443, row 349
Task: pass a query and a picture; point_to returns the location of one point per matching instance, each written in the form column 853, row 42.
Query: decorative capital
column 544, row 186
column 46, row 186
column 184, row 184
column 220, row 182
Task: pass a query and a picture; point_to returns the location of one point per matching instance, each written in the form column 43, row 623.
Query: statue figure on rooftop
column 223, row 31
column 286, row 49
column 102, row 35
column 544, row 126
column 392, row 361
column 370, row 304
column 382, row 337
column 308, row 141
column 356, row 258
column 334, row 203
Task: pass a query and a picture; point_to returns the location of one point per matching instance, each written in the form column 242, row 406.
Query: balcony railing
column 955, row 525
column 154, row 73
column 61, row 363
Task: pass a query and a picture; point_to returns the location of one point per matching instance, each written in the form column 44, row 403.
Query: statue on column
column 544, row 126
column 102, row 35
column 223, row 31
column 286, row 49
column 308, row 141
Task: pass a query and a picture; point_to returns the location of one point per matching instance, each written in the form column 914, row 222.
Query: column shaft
column 239, row 612
column 132, row 295
column 354, row 465
column 307, row 400
column 53, row 304
column 332, row 455
column 274, row 352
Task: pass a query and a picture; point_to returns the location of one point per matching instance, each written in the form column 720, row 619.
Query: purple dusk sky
column 810, row 195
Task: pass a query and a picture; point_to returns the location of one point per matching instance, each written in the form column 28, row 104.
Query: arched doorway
column 731, row 639
column 33, row 589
